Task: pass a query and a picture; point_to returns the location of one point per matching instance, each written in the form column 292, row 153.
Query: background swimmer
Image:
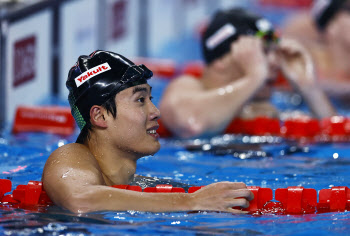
column 237, row 78
column 118, row 121
column 323, row 31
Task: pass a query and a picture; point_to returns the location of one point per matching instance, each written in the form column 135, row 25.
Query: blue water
column 313, row 166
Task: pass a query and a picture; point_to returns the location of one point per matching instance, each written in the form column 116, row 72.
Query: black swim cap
column 227, row 25
column 325, row 10
column 97, row 77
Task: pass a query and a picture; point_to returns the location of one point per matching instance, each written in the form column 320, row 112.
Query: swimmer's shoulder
column 178, row 89
column 71, row 153
column 72, row 156
column 185, row 82
column 301, row 26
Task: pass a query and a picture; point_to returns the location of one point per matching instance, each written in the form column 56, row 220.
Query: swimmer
column 242, row 56
column 111, row 102
column 323, row 31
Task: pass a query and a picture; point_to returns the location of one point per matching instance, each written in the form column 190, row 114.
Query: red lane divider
column 5, row 187
column 163, row 131
column 48, row 119
column 164, row 188
column 301, row 128
column 297, row 200
column 194, row 68
column 257, row 126
column 291, row 200
column 261, row 197
column 128, row 187
column 31, row 194
column 194, row 189
column 335, row 199
column 287, row 3
column 335, row 128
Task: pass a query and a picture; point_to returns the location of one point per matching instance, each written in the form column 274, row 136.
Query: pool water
column 276, row 164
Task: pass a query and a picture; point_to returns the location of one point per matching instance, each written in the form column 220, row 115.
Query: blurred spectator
column 323, row 30
column 242, row 58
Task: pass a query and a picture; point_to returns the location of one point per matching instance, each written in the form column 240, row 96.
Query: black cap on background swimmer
column 97, row 77
column 226, row 26
column 323, row 11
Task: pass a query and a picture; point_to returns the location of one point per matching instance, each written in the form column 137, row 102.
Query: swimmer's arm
column 317, row 101
column 188, row 110
column 298, row 68
column 217, row 197
column 80, row 188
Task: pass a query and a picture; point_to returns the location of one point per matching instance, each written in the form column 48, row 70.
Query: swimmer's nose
column 154, row 112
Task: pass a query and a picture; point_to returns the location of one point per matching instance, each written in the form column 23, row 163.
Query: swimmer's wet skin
column 111, row 102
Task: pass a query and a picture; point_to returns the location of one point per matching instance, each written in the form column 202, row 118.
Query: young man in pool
column 323, row 30
column 242, row 58
column 111, row 103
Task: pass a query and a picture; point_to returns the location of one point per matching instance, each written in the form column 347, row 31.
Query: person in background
column 242, row 56
column 111, row 102
column 323, row 31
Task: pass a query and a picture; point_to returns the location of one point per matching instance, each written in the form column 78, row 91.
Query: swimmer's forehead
column 141, row 88
column 146, row 88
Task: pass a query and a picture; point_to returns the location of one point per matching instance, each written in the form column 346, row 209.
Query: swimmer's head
column 324, row 11
column 96, row 78
column 227, row 25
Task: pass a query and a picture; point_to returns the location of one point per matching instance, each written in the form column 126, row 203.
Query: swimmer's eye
column 141, row 99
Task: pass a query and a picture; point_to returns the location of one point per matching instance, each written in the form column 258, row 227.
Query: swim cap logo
column 221, row 35
column 91, row 73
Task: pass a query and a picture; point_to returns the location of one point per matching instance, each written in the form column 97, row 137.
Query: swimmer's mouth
column 153, row 130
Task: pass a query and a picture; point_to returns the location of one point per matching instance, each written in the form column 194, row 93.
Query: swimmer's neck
column 116, row 167
column 116, row 176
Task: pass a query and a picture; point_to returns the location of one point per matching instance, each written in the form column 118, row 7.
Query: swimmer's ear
column 97, row 116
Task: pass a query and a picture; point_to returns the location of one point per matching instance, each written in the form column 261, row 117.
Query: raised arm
column 73, row 180
column 297, row 66
column 189, row 108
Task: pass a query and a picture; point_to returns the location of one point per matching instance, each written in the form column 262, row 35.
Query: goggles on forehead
column 134, row 73
column 269, row 37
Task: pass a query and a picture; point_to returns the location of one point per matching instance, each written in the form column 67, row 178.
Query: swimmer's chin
column 158, row 148
column 153, row 151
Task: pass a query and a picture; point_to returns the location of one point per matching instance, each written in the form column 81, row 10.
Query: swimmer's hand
column 222, row 196
column 296, row 63
column 298, row 68
column 248, row 52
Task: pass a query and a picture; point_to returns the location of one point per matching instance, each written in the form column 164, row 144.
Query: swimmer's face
column 134, row 129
